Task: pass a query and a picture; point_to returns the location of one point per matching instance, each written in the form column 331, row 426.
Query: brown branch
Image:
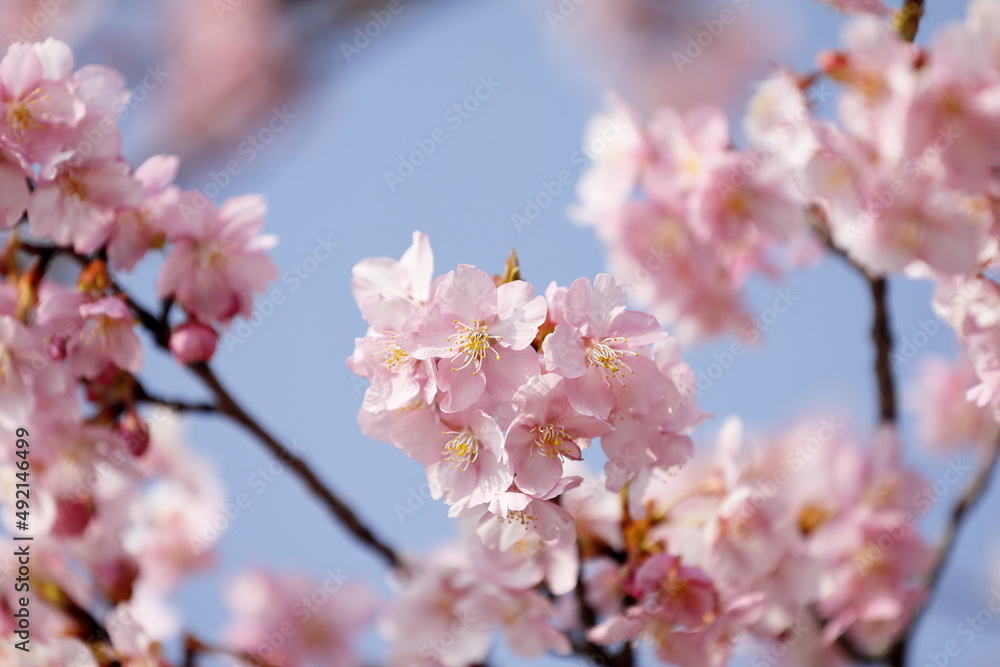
column 908, row 19
column 228, row 406
column 193, row 647
column 896, row 655
column 881, row 331
column 144, row 396
column 882, row 337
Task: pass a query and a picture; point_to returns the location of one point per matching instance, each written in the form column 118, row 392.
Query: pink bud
column 193, row 342
column 135, row 433
column 72, row 516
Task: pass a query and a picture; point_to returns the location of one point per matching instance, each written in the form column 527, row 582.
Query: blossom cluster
column 494, row 389
column 901, row 180
column 497, row 391
column 117, row 505
column 778, row 551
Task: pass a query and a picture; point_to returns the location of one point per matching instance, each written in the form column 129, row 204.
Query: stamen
column 474, row 341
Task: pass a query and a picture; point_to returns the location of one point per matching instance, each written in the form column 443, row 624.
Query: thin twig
column 228, row 406
column 194, row 647
column 896, row 655
column 908, row 19
column 144, row 396
column 882, row 337
column 881, row 330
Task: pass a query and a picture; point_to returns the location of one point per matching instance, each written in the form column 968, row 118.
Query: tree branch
column 144, row 396
column 882, row 337
column 881, row 331
column 228, row 406
column 896, row 655
column 908, row 19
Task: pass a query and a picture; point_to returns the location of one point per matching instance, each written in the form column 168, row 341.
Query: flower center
column 550, row 441
column 462, row 450
column 474, row 341
column 522, row 517
column 393, row 356
column 610, row 359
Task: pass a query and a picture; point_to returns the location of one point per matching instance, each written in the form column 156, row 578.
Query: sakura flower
column 36, row 99
column 326, row 616
column 642, row 442
column 525, row 617
column 503, row 528
column 463, row 452
column 409, row 277
column 76, row 200
column 779, row 119
column 733, row 207
column 27, row 377
column 618, row 164
column 14, row 193
column 218, row 260
column 426, row 623
column 92, row 333
column 595, row 350
column 545, row 433
column 137, row 230
column 384, row 356
column 482, row 335
column 947, row 418
column 686, row 147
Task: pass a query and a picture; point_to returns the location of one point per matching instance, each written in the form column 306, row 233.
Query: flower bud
column 193, row 342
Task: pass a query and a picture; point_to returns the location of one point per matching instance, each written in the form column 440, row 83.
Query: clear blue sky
column 323, row 177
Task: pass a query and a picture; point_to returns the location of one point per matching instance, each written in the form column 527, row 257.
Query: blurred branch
column 896, row 656
column 908, row 19
column 193, row 647
column 882, row 337
column 144, row 396
column 881, row 331
column 228, row 406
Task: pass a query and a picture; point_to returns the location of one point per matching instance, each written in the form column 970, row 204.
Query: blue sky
column 324, row 180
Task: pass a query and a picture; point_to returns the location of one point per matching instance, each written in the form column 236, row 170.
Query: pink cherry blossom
column 317, row 620
column 409, row 277
column 463, row 452
column 37, row 101
column 77, row 200
column 595, row 349
column 545, row 433
column 140, row 229
column 193, row 342
column 482, row 335
column 218, row 261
